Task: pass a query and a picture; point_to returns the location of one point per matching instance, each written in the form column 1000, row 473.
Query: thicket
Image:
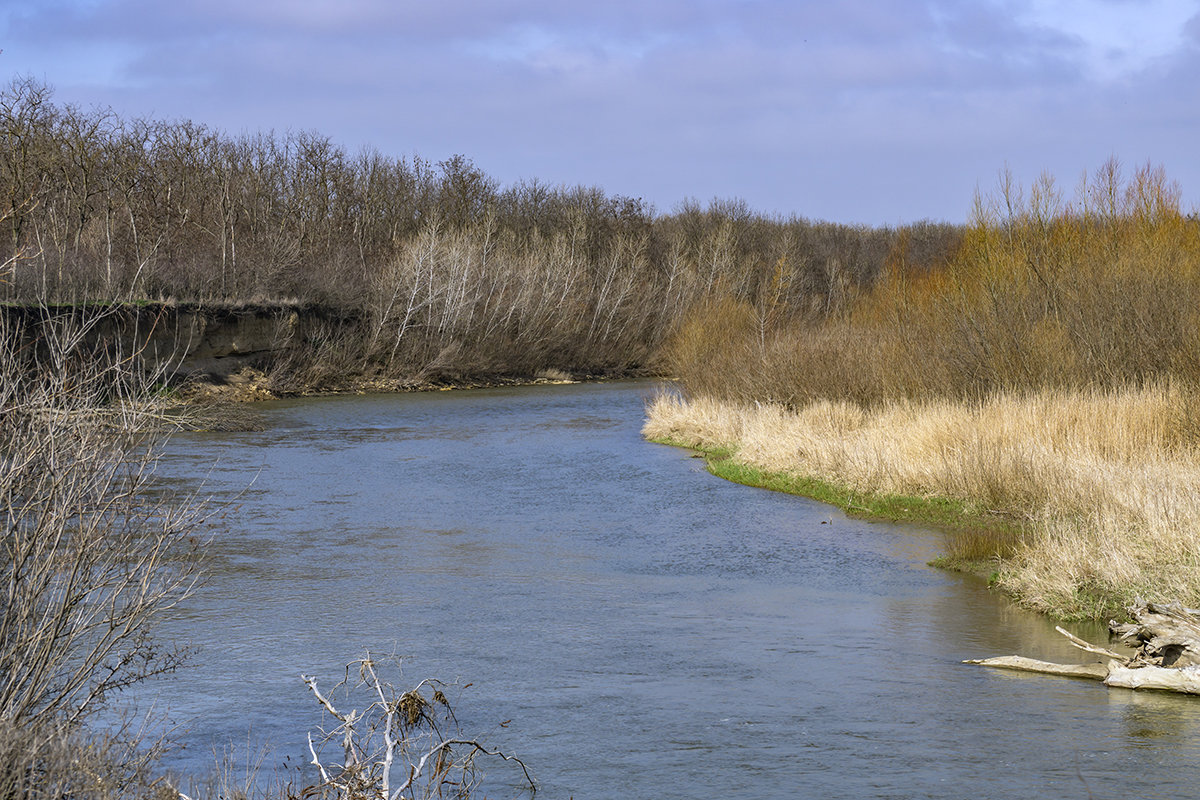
column 1041, row 293
column 1044, row 375
column 432, row 268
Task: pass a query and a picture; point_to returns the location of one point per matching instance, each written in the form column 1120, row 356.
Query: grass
column 1077, row 501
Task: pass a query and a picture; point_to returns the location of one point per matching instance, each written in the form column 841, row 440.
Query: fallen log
column 1095, row 672
column 1168, row 679
column 1166, row 658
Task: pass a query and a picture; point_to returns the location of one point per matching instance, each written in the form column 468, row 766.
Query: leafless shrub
column 1038, row 294
column 90, row 556
column 50, row 761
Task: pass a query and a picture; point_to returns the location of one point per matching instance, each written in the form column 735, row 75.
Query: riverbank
column 250, row 385
column 1072, row 502
column 221, row 353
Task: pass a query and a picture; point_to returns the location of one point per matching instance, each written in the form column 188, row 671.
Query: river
column 645, row 629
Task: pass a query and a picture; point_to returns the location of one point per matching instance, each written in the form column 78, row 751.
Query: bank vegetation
column 1043, row 377
column 92, row 555
column 417, row 270
column 96, row 551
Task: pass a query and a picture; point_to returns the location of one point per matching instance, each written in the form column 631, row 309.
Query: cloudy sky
column 875, row 111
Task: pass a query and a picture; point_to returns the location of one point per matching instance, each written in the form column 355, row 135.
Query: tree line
column 440, row 266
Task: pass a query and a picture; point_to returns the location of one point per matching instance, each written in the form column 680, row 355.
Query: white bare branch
column 396, row 731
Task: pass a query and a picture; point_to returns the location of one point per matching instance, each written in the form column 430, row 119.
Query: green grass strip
column 977, row 541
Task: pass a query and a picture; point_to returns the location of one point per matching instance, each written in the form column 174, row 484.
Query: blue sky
column 870, row 111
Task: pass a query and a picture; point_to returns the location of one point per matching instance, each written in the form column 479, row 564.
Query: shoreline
column 245, row 352
column 951, row 517
column 251, row 385
column 1075, row 504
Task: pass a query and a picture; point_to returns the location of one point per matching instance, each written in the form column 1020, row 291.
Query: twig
column 440, row 746
column 311, row 682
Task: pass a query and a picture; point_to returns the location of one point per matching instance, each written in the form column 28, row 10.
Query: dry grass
column 1109, row 481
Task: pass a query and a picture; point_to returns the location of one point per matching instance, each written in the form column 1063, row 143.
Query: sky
column 880, row 112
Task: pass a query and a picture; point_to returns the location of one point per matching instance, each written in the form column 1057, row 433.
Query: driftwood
column 1166, row 635
column 1167, row 655
column 1096, row 672
column 1168, row 679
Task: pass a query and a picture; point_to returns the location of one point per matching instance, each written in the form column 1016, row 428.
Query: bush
column 1039, row 294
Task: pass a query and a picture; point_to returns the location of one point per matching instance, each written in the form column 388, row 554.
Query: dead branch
column 395, row 734
column 1097, row 672
column 1087, row 647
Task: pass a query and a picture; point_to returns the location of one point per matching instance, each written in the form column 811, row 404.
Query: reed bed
column 1105, row 483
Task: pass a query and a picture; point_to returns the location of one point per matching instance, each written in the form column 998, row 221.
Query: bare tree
column 26, row 118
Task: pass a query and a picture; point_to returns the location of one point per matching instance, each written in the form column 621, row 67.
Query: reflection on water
column 650, row 630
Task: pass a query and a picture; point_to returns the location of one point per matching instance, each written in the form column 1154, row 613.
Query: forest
column 439, row 269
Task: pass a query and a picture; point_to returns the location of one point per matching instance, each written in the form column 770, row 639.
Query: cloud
column 1115, row 38
column 860, row 110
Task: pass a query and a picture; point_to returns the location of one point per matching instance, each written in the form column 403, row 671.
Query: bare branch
column 1087, row 646
column 396, row 731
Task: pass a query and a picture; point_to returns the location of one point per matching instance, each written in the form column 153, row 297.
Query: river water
column 651, row 631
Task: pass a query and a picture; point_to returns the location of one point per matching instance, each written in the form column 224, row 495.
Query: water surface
column 650, row 631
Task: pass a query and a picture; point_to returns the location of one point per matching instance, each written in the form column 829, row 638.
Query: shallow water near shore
column 650, row 630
